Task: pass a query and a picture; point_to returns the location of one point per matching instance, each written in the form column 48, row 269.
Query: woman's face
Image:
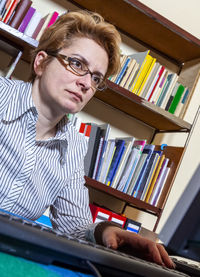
column 61, row 90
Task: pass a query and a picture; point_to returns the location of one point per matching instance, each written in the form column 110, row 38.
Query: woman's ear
column 39, row 62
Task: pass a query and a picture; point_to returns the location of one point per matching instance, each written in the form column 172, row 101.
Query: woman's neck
column 48, row 119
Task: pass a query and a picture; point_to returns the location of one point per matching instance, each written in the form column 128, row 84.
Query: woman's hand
column 114, row 237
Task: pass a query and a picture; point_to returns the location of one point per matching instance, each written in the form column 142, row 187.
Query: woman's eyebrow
column 87, row 63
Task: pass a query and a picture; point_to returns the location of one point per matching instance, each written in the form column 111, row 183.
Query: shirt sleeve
column 70, row 213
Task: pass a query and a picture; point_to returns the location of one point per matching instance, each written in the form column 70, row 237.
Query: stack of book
column 20, row 15
column 141, row 74
column 100, row 214
column 126, row 164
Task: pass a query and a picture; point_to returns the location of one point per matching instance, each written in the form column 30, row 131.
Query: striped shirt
column 35, row 175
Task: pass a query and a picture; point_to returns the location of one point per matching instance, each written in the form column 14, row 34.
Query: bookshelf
column 170, row 42
column 173, row 153
column 139, row 108
column 16, row 40
column 168, row 39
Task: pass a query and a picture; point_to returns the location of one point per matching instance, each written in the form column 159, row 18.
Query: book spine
column 38, row 28
column 33, row 24
column 159, row 76
column 20, row 12
column 53, row 19
column 26, row 19
column 2, row 5
column 10, row 11
column 176, row 99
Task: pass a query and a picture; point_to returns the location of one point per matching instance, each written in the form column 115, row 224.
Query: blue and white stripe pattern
column 35, row 175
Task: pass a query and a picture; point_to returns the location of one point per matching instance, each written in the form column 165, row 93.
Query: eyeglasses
column 79, row 68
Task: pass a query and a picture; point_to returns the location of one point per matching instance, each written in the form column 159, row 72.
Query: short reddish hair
column 80, row 24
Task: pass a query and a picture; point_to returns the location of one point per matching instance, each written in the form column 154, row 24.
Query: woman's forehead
column 95, row 55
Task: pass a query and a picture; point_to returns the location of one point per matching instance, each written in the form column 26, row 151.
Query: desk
column 11, row 266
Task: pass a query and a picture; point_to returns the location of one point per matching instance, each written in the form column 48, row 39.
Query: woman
column 41, row 152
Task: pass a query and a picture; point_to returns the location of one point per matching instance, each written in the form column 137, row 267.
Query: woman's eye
column 76, row 63
column 96, row 79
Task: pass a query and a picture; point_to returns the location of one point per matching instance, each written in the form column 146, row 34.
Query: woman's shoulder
column 9, row 89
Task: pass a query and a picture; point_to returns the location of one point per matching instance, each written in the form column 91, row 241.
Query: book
column 77, row 122
column 154, row 80
column 132, row 76
column 176, row 99
column 181, row 106
column 142, row 75
column 158, row 77
column 118, row 219
column 123, row 70
column 97, row 157
column 38, row 28
column 159, row 87
column 127, row 73
column 6, row 9
column 2, row 5
column 163, row 181
column 151, row 81
column 26, row 19
column 99, row 214
column 119, row 143
column 146, row 154
column 130, row 165
column 164, row 91
column 106, row 160
column 122, row 61
column 147, row 73
column 53, row 19
column 159, row 182
column 20, row 12
column 128, row 146
column 174, row 90
column 133, row 168
column 140, row 142
column 109, row 160
column 10, row 11
column 149, row 148
column 146, row 83
column 93, row 143
column 46, row 20
column 149, row 174
column 105, row 130
column 132, row 226
column 33, row 23
column 171, row 83
column 142, row 59
column 131, row 188
column 82, row 128
column 155, row 176
column 87, row 131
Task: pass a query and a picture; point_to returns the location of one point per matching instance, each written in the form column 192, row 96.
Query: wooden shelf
column 147, row 27
column 17, row 40
column 174, row 154
column 141, row 109
column 122, row 196
column 115, row 95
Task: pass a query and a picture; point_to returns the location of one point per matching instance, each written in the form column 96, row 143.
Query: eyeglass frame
column 61, row 58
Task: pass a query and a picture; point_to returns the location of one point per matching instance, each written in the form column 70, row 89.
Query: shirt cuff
column 95, row 231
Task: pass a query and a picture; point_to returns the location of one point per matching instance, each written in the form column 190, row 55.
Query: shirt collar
column 20, row 102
